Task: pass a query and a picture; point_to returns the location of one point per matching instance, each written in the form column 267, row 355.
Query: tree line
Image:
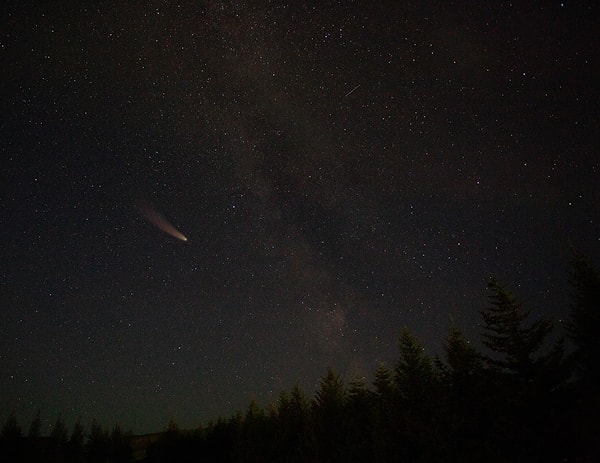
column 518, row 400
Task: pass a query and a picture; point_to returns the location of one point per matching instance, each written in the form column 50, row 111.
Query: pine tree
column 120, row 449
column 414, row 371
column 74, row 447
column 418, row 401
column 35, row 429
column 383, row 382
column 328, row 408
column 331, row 394
column 515, row 391
column 357, row 389
column 464, row 361
column 292, row 425
column 11, row 429
column 58, row 441
column 35, row 447
column 98, row 443
column 584, row 320
column 11, row 439
column 386, row 412
column 466, row 398
column 505, row 335
column 359, row 421
column 298, row 401
column 583, row 331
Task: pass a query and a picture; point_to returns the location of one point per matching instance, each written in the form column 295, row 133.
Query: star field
column 340, row 170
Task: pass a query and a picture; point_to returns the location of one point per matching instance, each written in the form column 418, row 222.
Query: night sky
column 340, row 170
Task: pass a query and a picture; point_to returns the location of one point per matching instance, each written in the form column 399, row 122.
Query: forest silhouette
column 521, row 398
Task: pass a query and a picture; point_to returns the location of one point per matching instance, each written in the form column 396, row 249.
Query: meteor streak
column 351, row 91
column 156, row 219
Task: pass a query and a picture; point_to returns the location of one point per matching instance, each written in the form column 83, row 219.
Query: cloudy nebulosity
column 341, row 169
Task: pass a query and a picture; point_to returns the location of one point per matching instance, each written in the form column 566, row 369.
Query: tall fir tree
column 383, row 383
column 414, row 370
column 464, row 361
column 292, row 425
column 58, row 440
column 418, row 400
column 515, row 391
column 97, row 447
column 359, row 421
column 11, row 440
column 584, row 320
column 35, row 428
column 504, row 333
column 328, row 411
column 582, row 329
column 74, row 448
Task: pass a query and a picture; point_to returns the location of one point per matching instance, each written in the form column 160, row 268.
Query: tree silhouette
column 583, row 327
column 34, row 450
column 504, row 333
column 328, row 412
column 120, row 449
column 464, row 361
column 417, row 394
column 517, row 396
column 466, row 398
column 386, row 413
column 255, row 436
column 58, row 441
column 74, row 447
column 97, row 447
column 359, row 421
column 584, row 320
column 414, row 371
column 35, row 429
column 292, row 424
column 11, row 439
column 11, row 430
column 383, row 382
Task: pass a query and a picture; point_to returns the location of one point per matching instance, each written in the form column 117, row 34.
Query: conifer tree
column 120, row 449
column 11, row 439
column 416, row 383
column 331, row 394
column 515, row 392
column 504, row 333
column 292, row 424
column 386, row 411
column 583, row 327
column 298, row 401
column 74, row 447
column 383, row 382
column 464, row 361
column 98, row 443
column 11, row 429
column 414, row 371
column 357, row 390
column 584, row 320
column 328, row 407
column 359, row 421
column 35, row 429
column 58, row 440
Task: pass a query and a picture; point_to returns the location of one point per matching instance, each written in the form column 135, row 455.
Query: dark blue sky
column 340, row 169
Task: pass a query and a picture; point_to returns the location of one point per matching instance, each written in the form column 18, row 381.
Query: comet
column 156, row 219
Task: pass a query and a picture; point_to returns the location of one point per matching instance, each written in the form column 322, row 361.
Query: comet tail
column 156, row 219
